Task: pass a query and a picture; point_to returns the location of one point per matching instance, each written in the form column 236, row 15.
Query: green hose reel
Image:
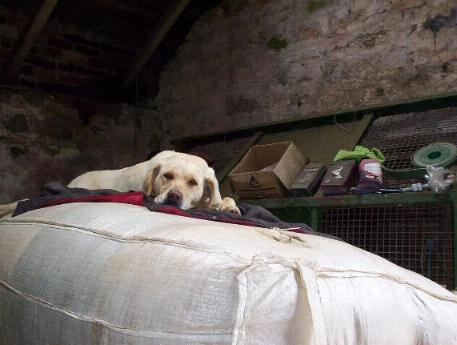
column 437, row 154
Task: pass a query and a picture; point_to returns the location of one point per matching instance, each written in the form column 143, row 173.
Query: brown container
column 267, row 171
column 340, row 177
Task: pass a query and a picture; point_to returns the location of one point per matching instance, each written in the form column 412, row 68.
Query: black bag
column 308, row 180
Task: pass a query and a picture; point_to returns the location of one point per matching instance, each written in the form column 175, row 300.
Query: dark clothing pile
column 56, row 194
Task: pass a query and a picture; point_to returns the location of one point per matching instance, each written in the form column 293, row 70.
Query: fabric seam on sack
column 373, row 274
column 103, row 323
column 96, row 233
column 307, row 273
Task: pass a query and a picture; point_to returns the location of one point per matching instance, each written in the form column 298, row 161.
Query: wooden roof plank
column 27, row 39
column 152, row 43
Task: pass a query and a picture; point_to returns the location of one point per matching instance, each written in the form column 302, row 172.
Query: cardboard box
column 267, row 171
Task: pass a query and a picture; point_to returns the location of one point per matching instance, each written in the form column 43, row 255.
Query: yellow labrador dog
column 173, row 178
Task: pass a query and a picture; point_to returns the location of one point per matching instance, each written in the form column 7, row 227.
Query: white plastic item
column 440, row 180
column 105, row 273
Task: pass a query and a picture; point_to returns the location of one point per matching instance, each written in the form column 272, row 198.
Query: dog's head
column 181, row 180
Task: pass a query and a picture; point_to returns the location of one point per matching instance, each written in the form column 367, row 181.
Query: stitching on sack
column 373, row 274
column 137, row 239
column 103, row 323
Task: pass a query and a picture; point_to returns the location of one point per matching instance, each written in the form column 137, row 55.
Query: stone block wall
column 253, row 62
column 49, row 138
column 46, row 134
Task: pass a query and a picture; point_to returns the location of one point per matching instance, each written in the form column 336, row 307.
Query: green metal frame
column 314, row 119
column 309, row 210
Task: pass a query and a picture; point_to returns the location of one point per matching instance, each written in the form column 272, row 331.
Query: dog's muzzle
column 174, row 198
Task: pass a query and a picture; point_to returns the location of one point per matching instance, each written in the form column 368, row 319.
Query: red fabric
column 137, row 198
column 133, row 198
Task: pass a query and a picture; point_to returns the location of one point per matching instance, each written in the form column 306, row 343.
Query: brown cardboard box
column 267, row 170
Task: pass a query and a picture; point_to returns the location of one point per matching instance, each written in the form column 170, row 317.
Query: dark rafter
column 119, row 8
column 27, row 39
column 152, row 43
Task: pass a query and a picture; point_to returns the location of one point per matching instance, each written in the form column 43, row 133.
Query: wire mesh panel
column 219, row 152
column 416, row 237
column 399, row 136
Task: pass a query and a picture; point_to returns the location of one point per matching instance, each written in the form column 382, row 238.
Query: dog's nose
column 174, row 198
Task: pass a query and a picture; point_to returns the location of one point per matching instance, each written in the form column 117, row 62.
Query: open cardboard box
column 267, row 171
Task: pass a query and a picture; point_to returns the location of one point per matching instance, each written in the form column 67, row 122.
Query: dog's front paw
column 229, row 205
column 6, row 209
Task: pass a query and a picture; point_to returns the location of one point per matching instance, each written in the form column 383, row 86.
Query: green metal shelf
column 356, row 200
column 309, row 210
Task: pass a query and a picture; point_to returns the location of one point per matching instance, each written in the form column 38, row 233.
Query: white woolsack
column 105, row 273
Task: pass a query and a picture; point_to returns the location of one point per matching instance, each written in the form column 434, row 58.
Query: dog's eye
column 169, row 176
column 193, row 182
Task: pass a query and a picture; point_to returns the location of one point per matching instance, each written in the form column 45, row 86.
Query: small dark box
column 308, row 180
column 340, row 177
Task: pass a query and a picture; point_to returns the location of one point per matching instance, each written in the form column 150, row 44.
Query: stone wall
column 48, row 138
column 251, row 62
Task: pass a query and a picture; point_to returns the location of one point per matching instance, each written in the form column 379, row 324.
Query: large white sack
column 106, row 273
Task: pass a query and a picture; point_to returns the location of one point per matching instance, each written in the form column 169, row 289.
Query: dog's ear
column 209, row 192
column 149, row 181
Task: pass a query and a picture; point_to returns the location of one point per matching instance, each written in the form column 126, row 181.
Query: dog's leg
column 7, row 209
column 229, row 205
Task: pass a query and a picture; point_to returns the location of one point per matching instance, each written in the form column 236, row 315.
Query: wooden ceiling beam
column 119, row 8
column 152, row 43
column 27, row 39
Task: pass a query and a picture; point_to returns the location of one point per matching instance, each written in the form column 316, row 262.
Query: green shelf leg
column 315, row 219
column 453, row 196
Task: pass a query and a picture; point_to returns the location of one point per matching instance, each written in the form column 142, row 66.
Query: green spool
column 438, row 154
